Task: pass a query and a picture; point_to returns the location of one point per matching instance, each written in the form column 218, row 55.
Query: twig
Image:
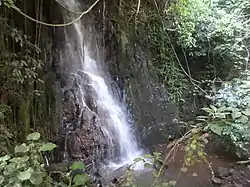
column 243, row 162
column 185, row 56
column 247, row 58
column 138, row 8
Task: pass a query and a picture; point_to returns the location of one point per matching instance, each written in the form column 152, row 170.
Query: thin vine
column 55, row 25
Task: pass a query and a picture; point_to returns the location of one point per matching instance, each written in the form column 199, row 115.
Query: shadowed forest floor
column 226, row 173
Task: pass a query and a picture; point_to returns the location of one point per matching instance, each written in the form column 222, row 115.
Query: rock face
column 81, row 136
column 129, row 64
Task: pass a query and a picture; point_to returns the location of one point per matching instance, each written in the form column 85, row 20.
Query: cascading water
column 109, row 110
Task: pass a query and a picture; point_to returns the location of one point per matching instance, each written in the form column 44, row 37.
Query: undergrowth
column 179, row 33
column 26, row 167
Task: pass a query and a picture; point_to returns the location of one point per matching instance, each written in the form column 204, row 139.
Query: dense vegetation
column 200, row 49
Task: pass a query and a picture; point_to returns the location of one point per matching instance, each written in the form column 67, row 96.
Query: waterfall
column 110, row 111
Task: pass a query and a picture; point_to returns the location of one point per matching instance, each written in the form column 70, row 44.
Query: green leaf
column 213, row 107
column 8, row 3
column 243, row 119
column 216, row 128
column 193, row 146
column 22, row 148
column 173, row 183
column 33, row 136
column 148, row 156
column 236, row 114
column 208, row 110
column 81, row 179
column 3, row 165
column 25, row 175
column 147, row 165
column 77, row 165
column 222, row 109
column 20, row 159
column 156, row 175
column 1, row 179
column 13, row 185
column 37, row 178
column 202, row 117
column 47, row 147
column 4, row 158
column 157, row 154
column 138, row 159
column 246, row 112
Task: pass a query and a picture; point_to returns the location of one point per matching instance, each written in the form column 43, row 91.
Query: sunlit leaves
column 22, row 148
column 194, row 151
column 26, row 167
column 4, row 158
column 81, row 179
column 138, row 159
column 8, row 3
column 236, row 114
column 242, row 119
column 229, row 116
column 25, row 175
column 47, row 147
column 246, row 112
column 147, row 165
column 216, row 128
column 77, row 165
column 33, row 136
column 36, row 178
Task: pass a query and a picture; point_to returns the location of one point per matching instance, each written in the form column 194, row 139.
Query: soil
column 227, row 173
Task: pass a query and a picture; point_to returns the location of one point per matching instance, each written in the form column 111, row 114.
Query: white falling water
column 117, row 119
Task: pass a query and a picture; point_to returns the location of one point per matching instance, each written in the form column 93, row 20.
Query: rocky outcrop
column 129, row 61
column 81, row 136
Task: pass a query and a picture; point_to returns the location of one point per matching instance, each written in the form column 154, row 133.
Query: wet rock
column 81, row 136
column 223, row 172
column 237, row 185
column 216, row 180
column 114, row 181
column 146, row 97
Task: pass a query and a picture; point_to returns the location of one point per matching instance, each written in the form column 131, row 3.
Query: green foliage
column 77, row 165
column 194, row 151
column 229, row 116
column 19, row 68
column 164, row 60
column 219, row 29
column 81, row 179
column 24, row 168
column 8, row 3
column 20, row 82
